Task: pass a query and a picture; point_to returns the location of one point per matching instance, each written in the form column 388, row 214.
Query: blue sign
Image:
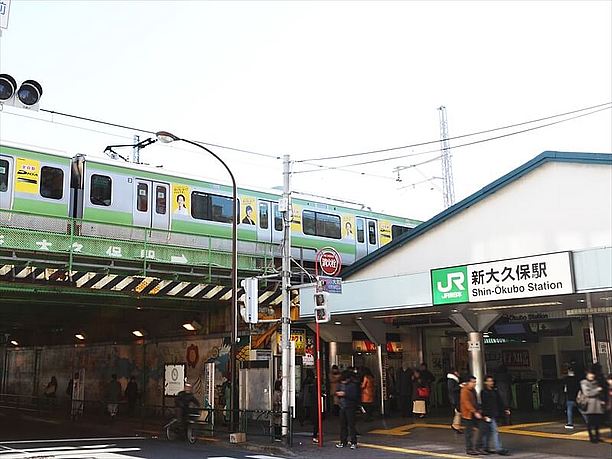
column 330, row 284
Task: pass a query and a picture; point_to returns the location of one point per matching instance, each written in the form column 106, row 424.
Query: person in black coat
column 348, row 393
column 571, row 386
column 492, row 407
column 404, row 379
column 454, row 388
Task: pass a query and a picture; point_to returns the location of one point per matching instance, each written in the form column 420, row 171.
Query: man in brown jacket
column 470, row 414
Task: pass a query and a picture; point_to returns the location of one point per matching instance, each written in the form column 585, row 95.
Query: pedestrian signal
column 322, row 314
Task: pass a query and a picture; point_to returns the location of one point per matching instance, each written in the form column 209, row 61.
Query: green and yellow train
column 119, row 201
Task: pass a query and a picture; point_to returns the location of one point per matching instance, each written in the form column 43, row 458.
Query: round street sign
column 329, row 261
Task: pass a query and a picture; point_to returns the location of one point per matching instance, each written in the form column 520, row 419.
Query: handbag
column 582, row 401
column 418, row 407
column 423, row 392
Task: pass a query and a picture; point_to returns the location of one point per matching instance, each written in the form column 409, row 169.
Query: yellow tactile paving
column 397, row 449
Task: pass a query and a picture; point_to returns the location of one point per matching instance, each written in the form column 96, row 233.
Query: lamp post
column 166, row 137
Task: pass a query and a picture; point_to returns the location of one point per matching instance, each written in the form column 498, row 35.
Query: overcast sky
column 314, row 79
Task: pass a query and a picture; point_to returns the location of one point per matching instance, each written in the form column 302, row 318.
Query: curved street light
column 167, row 137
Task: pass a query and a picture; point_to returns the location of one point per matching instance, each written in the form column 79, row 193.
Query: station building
column 516, row 277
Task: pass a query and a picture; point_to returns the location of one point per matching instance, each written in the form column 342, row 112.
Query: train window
column 211, row 207
column 142, row 197
column 4, row 175
column 320, row 224
column 372, row 232
column 101, row 190
column 398, row 230
column 160, row 200
column 360, row 231
column 263, row 215
column 51, row 182
column 278, row 219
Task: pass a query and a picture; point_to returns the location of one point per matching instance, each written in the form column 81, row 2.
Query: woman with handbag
column 591, row 402
column 420, row 396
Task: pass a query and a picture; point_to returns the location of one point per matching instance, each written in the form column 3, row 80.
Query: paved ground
column 24, row 435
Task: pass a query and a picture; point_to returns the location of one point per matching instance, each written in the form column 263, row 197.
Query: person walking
column 309, row 391
column 334, row 380
column 503, row 381
column 367, row 393
column 405, row 390
column 454, row 388
column 131, row 394
column 427, row 379
column 570, row 387
column 348, row 393
column 420, row 395
column 113, row 394
column 592, row 403
column 469, row 414
column 492, row 408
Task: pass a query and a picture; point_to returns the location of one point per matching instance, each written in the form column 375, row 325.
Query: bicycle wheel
column 170, row 432
column 191, row 435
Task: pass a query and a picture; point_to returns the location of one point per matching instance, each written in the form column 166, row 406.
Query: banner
column 181, row 200
column 248, row 210
column 27, row 176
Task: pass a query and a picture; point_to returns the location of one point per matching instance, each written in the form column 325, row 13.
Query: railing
column 76, row 238
column 254, row 423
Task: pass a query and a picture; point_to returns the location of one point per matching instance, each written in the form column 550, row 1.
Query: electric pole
column 285, row 208
column 447, row 163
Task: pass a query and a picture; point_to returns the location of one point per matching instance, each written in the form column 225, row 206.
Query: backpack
column 582, row 401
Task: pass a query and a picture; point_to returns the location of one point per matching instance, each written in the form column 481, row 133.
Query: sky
column 316, row 79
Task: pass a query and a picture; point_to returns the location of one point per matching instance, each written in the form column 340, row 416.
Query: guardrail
column 74, row 238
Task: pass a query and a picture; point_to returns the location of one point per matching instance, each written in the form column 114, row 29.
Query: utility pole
column 285, row 207
column 447, row 164
column 136, row 150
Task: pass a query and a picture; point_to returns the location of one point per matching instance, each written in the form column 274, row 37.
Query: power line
column 383, row 150
column 362, row 163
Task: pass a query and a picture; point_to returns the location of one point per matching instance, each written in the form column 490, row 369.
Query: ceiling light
column 337, row 322
column 511, row 306
column 138, row 333
column 192, row 326
column 409, row 314
column 582, row 301
column 79, row 336
column 606, row 298
column 188, row 326
column 589, row 311
column 14, row 343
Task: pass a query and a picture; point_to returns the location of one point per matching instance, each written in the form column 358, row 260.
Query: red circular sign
column 329, row 261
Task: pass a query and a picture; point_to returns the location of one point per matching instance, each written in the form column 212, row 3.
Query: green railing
column 78, row 238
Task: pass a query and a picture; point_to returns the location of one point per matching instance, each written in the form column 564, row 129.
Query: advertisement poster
column 348, row 227
column 384, row 228
column 248, row 210
column 174, row 379
column 27, row 175
column 181, row 200
column 296, row 219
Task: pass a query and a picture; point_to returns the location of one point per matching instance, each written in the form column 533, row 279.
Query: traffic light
column 322, row 315
column 251, row 299
column 27, row 95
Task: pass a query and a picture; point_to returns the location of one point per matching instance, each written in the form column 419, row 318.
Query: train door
column 264, row 221
column 160, row 217
column 6, row 184
column 361, row 246
column 372, row 231
column 151, row 204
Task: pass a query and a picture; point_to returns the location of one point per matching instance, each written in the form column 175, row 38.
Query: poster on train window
column 248, row 210
column 181, row 200
column 348, row 227
column 384, row 228
column 27, row 175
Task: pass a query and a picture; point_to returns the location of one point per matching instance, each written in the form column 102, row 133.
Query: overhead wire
column 380, row 160
column 429, row 142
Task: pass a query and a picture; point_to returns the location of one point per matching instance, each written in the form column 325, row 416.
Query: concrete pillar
column 333, row 353
column 476, row 358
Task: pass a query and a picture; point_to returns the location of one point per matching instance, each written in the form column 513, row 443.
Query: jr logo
column 452, row 278
column 448, row 285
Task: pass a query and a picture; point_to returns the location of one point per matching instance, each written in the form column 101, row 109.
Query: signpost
column 540, row 275
column 330, row 262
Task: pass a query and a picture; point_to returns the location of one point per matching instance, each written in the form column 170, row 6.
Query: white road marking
column 60, row 440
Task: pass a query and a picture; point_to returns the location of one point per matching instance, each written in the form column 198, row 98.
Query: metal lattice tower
column 447, row 163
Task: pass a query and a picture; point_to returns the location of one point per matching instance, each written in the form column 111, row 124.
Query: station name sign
column 539, row 275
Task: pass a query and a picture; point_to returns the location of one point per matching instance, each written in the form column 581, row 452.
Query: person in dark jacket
column 492, row 407
column 571, row 386
column 348, row 394
column 404, row 378
column 184, row 403
column 309, row 392
column 504, row 383
column 131, row 393
column 453, row 387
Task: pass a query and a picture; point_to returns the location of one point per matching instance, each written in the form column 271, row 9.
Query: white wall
column 556, row 207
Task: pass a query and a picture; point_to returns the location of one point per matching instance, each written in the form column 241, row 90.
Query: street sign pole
column 319, row 403
column 285, row 207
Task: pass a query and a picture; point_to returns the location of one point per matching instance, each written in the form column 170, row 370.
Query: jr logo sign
column 449, row 285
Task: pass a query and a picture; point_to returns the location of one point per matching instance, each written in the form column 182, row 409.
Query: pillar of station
column 474, row 325
column 376, row 331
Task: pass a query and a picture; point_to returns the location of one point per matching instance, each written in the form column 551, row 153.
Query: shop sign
column 329, row 284
column 516, row 359
column 298, row 337
column 527, row 277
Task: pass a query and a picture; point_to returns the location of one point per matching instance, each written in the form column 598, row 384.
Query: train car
column 120, row 200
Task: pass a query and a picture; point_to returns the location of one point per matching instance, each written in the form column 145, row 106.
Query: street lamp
column 167, row 137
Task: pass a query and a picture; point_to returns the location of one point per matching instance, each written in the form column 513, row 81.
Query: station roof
column 541, row 159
